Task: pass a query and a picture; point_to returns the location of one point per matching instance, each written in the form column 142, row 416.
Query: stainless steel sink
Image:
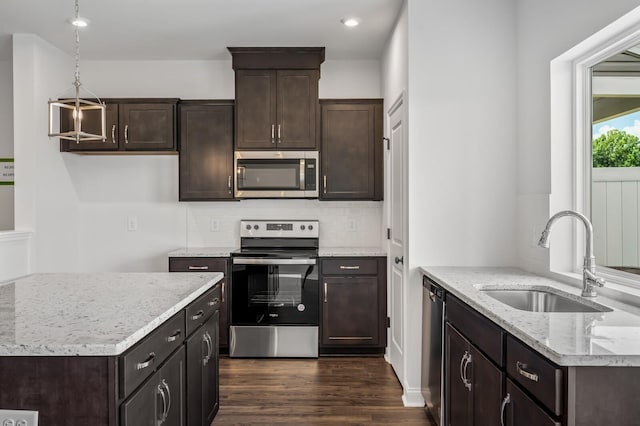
column 536, row 300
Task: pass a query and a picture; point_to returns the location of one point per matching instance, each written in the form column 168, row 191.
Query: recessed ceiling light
column 350, row 22
column 79, row 22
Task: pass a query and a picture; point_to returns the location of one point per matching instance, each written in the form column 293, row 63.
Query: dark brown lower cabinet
column 473, row 383
column 202, row 373
column 160, row 401
column 353, row 305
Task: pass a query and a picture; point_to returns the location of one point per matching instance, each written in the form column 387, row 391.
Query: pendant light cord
column 77, row 73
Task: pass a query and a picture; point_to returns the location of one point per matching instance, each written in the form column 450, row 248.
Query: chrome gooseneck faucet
column 589, row 278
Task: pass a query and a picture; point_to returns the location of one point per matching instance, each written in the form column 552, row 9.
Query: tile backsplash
column 342, row 224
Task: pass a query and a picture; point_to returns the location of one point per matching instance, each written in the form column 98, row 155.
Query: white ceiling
column 202, row 29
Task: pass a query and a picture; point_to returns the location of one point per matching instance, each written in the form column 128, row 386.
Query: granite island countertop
column 568, row 339
column 91, row 314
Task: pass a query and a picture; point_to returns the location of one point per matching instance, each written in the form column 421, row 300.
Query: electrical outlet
column 352, row 225
column 18, row 418
column 215, row 225
column 132, row 223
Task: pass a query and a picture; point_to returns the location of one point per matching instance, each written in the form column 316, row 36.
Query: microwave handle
column 302, row 174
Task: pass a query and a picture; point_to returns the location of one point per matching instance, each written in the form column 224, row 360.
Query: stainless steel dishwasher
column 433, row 307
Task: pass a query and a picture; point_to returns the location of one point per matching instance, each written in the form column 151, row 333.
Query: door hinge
column 388, row 322
column 388, row 142
column 388, row 233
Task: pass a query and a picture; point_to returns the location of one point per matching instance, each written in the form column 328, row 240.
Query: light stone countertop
column 351, row 251
column 91, row 314
column 203, row 252
column 569, row 339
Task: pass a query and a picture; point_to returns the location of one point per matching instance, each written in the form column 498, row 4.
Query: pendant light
column 77, row 107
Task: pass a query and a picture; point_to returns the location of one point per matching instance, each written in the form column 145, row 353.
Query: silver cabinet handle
column 163, row 395
column 520, row 367
column 214, row 302
column 350, row 267
column 505, row 401
column 398, row 260
column 126, row 133
column 222, row 291
column 207, row 339
column 198, row 268
column 464, row 363
column 324, row 184
column 113, row 134
column 229, row 184
column 174, row 336
column 325, row 292
column 273, row 133
column 279, row 135
column 166, row 386
column 198, row 315
column 147, row 363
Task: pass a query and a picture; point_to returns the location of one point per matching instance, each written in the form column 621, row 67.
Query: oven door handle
column 259, row 261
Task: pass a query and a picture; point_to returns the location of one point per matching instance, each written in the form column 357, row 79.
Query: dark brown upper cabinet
column 133, row 125
column 352, row 149
column 277, row 97
column 206, row 150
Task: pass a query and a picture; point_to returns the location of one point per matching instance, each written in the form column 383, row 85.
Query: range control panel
column 279, row 228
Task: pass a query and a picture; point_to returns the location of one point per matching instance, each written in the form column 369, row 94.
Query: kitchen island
column 110, row 349
column 540, row 364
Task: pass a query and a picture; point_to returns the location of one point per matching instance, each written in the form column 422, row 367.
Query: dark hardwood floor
column 326, row 391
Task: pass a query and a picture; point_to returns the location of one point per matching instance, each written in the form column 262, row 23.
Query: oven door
column 274, row 291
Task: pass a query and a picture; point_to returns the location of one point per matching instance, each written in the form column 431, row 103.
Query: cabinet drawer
column 349, row 266
column 197, row 264
column 536, row 374
column 146, row 356
column 483, row 333
column 202, row 308
column 522, row 410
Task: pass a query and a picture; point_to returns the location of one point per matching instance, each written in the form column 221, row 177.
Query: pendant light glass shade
column 78, row 109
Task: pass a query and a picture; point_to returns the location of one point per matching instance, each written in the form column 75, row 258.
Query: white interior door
column 397, row 135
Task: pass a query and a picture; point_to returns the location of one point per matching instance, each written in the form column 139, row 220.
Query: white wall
column 543, row 33
column 97, row 194
column 6, row 138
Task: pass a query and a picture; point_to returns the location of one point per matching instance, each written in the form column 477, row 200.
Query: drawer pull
column 214, row 302
column 113, row 134
column 148, row 362
column 505, row 401
column 351, row 338
column 174, row 336
column 350, row 267
column 325, row 292
column 520, row 367
column 198, row 268
column 198, row 315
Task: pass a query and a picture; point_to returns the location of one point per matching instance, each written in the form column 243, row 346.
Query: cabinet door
column 350, row 311
column 147, row 126
column 458, row 400
column 522, row 410
column 352, row 151
column 486, row 389
column 160, row 401
column 297, row 109
column 172, row 379
column 255, row 109
column 91, row 124
column 206, row 152
column 210, row 377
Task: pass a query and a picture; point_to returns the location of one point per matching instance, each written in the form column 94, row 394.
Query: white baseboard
column 412, row 398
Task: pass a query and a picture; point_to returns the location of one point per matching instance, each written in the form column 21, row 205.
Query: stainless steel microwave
column 276, row 174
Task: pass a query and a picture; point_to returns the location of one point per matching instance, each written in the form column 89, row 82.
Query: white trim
column 6, row 236
column 412, row 398
column 571, row 127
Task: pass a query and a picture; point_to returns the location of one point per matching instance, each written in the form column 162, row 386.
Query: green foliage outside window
column 616, row 148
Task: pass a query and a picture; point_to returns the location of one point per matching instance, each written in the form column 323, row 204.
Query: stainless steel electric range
column 275, row 290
